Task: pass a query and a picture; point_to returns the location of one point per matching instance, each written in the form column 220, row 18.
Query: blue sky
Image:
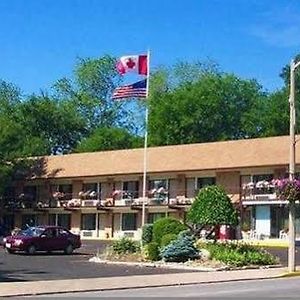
column 40, row 39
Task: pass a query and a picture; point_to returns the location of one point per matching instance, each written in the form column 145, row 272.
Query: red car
column 42, row 238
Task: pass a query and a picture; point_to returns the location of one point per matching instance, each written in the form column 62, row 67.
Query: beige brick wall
column 107, row 188
column 181, row 185
column 75, row 221
column 280, row 173
column 231, row 183
column 77, row 187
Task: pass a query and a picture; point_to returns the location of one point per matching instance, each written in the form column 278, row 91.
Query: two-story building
column 99, row 195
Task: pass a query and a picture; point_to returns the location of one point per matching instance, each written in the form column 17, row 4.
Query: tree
column 10, row 96
column 212, row 207
column 275, row 115
column 215, row 107
column 55, row 122
column 90, row 92
column 285, row 75
column 104, row 138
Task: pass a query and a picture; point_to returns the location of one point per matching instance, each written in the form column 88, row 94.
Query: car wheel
column 10, row 251
column 69, row 249
column 31, row 249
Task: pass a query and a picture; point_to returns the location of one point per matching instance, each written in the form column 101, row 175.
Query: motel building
column 99, row 194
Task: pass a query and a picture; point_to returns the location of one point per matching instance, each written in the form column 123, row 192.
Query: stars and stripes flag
column 135, row 90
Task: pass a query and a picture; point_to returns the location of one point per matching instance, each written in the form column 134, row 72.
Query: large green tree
column 15, row 141
column 112, row 138
column 55, row 122
column 213, row 106
column 90, row 91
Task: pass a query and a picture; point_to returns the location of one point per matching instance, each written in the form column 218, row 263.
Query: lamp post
column 291, row 253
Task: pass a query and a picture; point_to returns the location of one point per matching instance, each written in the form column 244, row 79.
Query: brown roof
column 272, row 151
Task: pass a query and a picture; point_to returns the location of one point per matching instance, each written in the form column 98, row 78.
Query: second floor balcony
column 259, row 191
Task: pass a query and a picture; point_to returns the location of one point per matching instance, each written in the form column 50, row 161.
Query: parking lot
column 22, row 267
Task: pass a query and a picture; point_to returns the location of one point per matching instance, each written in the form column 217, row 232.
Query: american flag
column 135, row 90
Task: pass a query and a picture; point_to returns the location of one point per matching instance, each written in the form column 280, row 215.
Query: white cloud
column 278, row 27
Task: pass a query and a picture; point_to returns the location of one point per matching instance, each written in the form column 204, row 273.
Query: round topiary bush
column 167, row 239
column 180, row 250
column 147, row 231
column 165, row 226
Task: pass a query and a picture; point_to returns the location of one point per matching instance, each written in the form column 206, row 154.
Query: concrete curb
column 287, row 275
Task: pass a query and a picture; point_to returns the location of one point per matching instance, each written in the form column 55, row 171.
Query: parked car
column 42, row 238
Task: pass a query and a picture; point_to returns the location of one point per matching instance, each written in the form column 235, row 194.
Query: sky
column 40, row 40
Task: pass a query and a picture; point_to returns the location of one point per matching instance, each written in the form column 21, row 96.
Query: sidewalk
column 126, row 282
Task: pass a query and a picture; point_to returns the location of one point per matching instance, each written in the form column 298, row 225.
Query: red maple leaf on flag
column 130, row 63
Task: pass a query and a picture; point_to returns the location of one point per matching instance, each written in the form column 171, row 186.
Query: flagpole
column 145, row 143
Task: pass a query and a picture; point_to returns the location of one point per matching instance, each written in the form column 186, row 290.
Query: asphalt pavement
column 22, row 267
column 57, row 266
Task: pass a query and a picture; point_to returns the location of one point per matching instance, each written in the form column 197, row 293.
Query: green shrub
column 124, row 246
column 180, row 250
column 167, row 239
column 152, row 251
column 147, row 231
column 212, row 206
column 165, row 226
column 238, row 255
column 185, row 233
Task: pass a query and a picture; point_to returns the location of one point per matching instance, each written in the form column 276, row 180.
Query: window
column 158, row 183
column 63, row 232
column 63, row 220
column 30, row 192
column 30, row 220
column 257, row 184
column 130, row 189
column 64, row 191
column 91, row 190
column 88, row 222
column 152, row 217
column 205, row 181
column 129, row 221
column 158, row 189
column 262, row 177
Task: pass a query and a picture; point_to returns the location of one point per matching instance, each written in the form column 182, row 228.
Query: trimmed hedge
column 238, row 255
column 165, row 226
column 152, row 251
column 125, row 245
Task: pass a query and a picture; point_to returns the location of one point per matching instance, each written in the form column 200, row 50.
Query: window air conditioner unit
column 87, row 233
column 129, row 234
column 262, row 197
column 89, row 203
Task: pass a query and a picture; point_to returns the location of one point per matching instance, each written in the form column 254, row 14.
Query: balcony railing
column 158, row 197
column 259, row 190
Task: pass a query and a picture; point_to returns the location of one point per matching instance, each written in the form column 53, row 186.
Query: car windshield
column 32, row 231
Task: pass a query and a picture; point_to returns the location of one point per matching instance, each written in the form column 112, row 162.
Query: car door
column 45, row 241
column 62, row 238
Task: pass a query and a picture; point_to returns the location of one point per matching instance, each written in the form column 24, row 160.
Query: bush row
column 238, row 255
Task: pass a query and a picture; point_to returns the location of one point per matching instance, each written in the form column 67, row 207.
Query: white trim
column 267, row 202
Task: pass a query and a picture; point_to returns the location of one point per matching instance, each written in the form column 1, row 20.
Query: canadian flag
column 133, row 63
